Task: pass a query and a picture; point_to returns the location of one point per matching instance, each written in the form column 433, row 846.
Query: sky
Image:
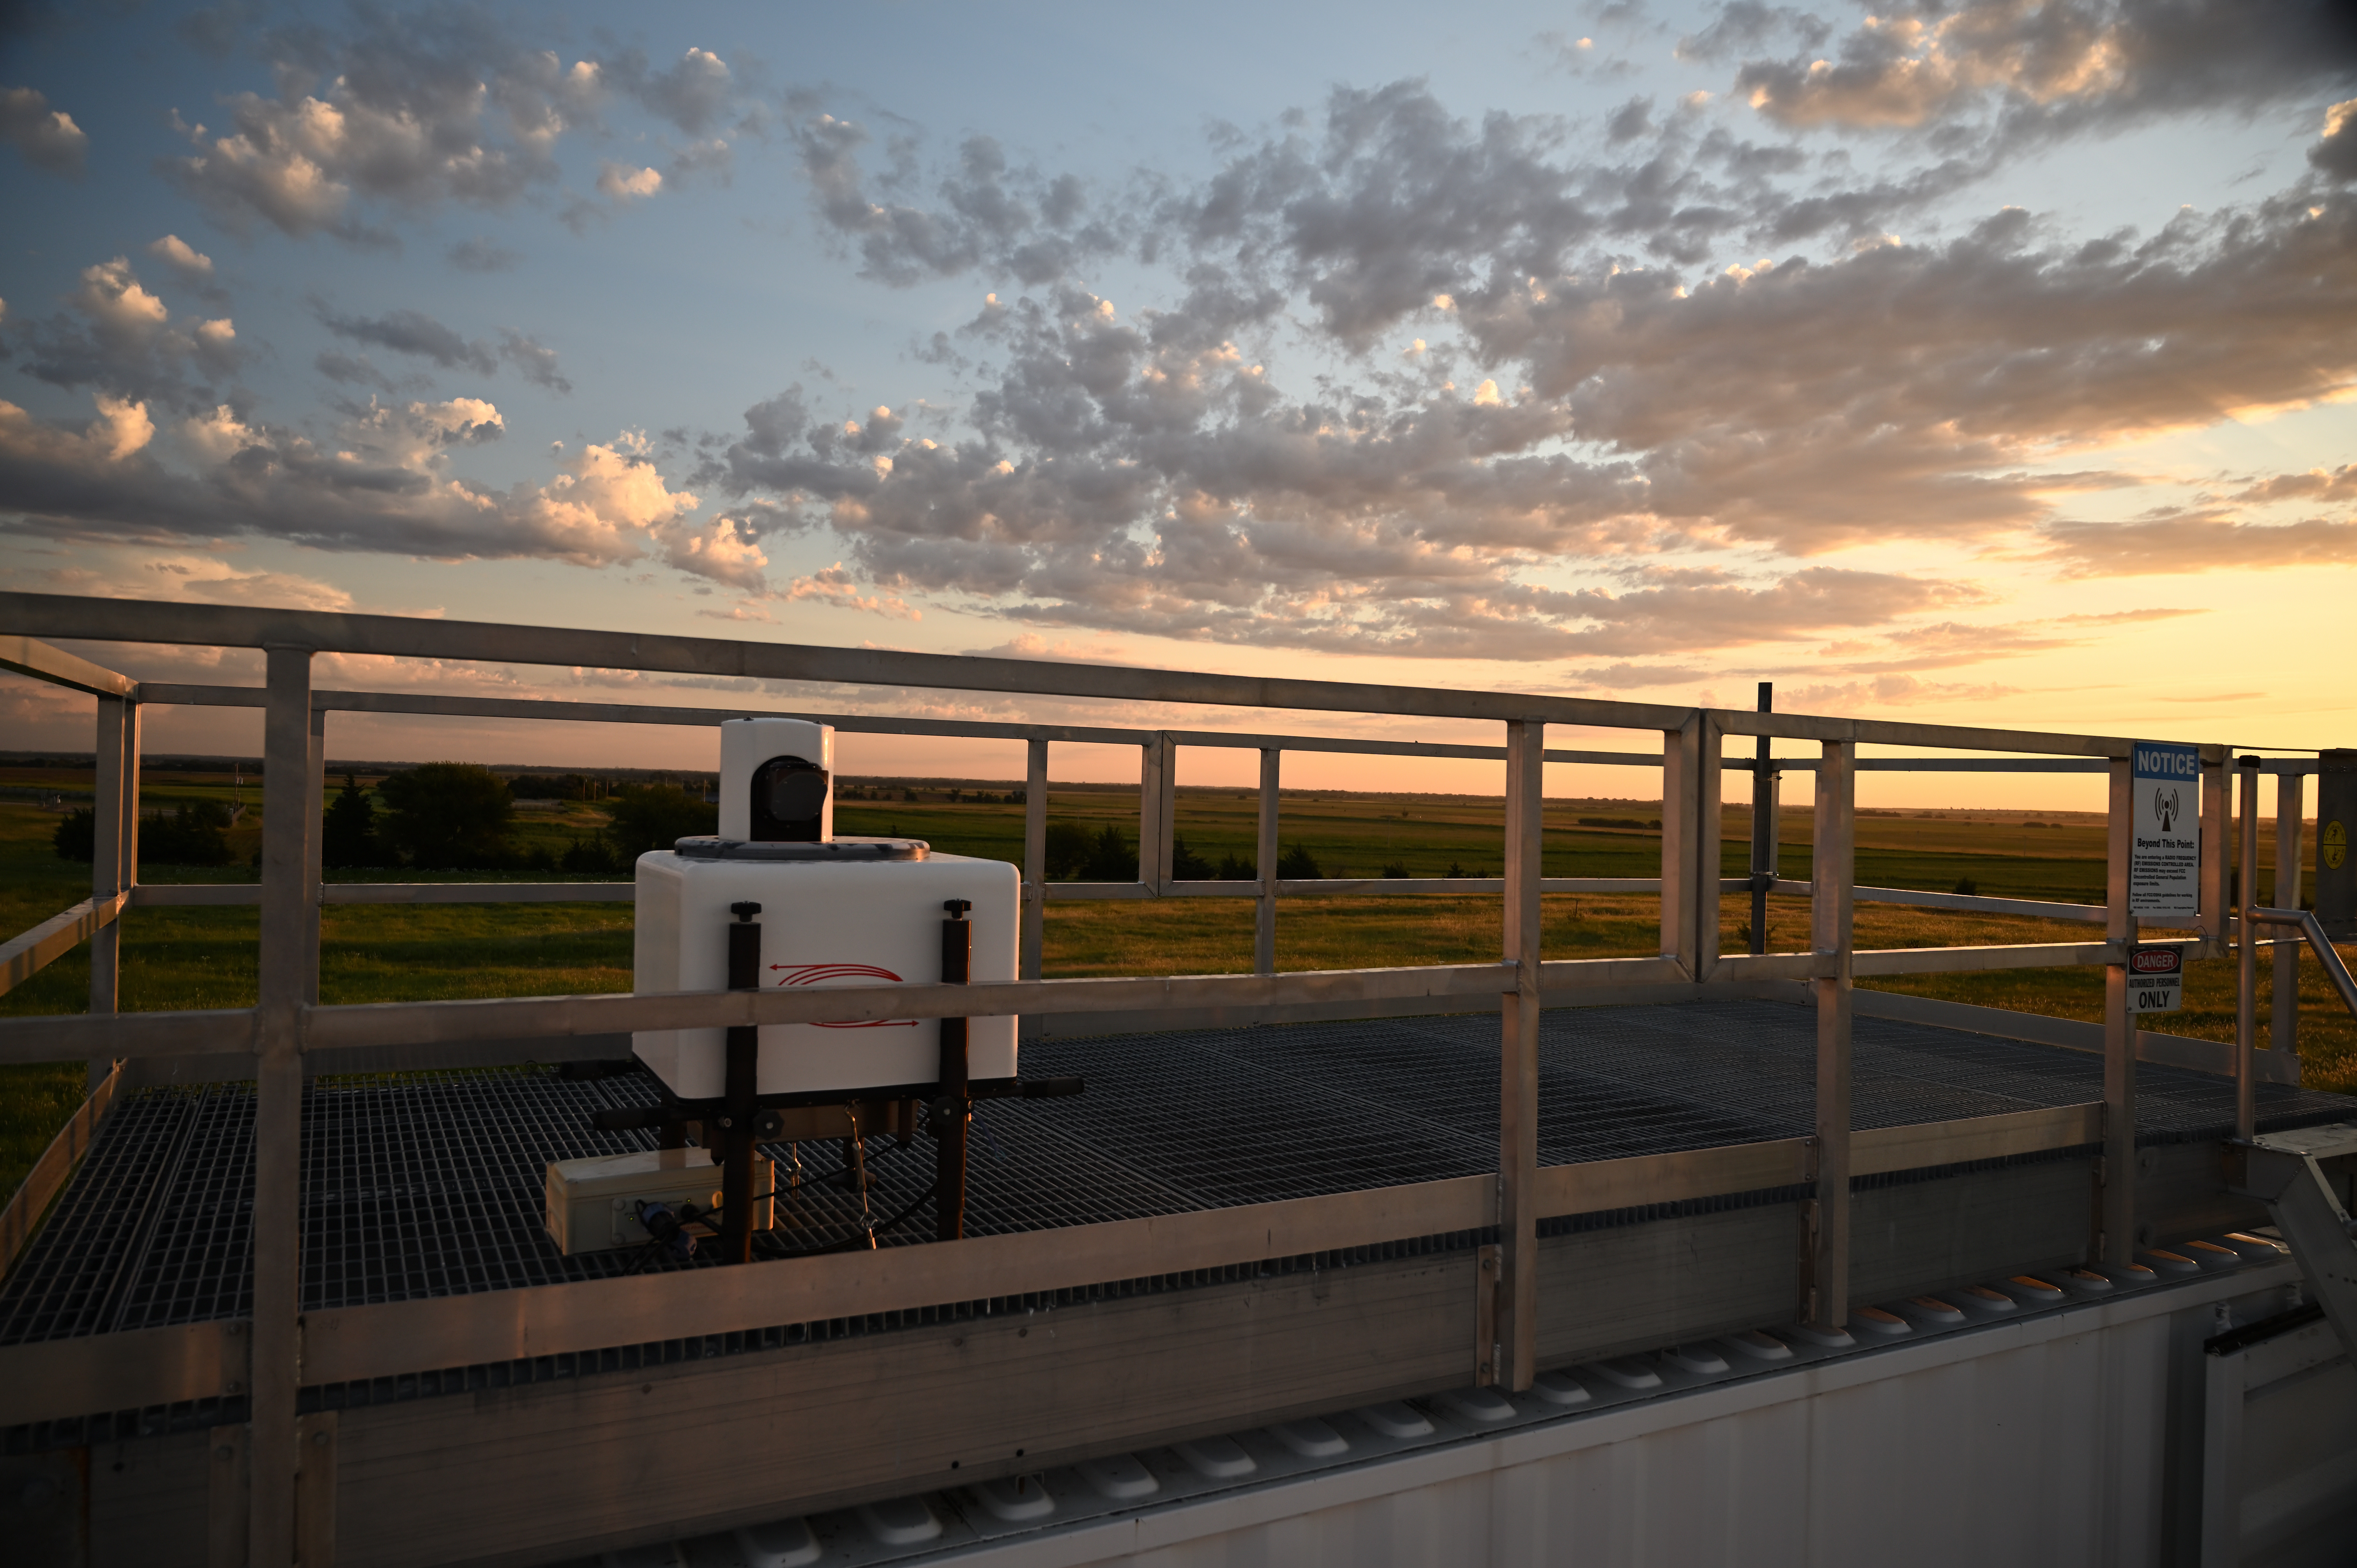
column 1984, row 362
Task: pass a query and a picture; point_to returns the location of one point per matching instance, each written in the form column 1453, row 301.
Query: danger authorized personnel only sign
column 2156, row 979
column 2165, row 832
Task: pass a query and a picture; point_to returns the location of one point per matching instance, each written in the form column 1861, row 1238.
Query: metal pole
column 287, row 910
column 1035, row 856
column 1265, row 913
column 954, row 1108
column 1832, row 872
column 1763, row 827
column 1710, row 811
column 2117, row 1241
column 2291, row 789
column 2216, row 846
column 113, row 862
column 1157, row 783
column 2246, row 958
column 317, row 784
column 1681, row 763
column 740, row 1086
column 1516, row 1363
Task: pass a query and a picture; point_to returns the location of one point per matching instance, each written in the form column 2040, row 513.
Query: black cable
column 851, row 1242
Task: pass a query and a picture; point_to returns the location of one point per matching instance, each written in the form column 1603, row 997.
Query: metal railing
column 288, row 1033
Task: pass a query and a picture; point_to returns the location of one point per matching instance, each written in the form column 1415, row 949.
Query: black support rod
column 739, row 1091
column 1764, row 829
column 955, row 1105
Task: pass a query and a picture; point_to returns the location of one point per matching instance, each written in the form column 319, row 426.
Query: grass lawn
column 188, row 957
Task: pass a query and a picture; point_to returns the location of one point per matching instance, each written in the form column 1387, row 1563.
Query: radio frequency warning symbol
column 2165, row 838
column 2334, row 845
column 2156, row 979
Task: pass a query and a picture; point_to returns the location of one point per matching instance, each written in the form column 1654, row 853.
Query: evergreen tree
column 348, row 837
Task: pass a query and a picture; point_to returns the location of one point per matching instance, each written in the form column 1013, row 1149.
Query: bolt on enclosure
column 834, row 912
column 593, row 1203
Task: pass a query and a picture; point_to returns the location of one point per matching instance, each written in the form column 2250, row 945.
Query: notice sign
column 2156, row 979
column 2165, row 832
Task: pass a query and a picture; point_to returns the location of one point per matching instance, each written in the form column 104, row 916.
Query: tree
column 189, row 834
column 1067, row 849
column 1111, row 859
column 1186, row 865
column 654, row 816
column 446, row 816
column 347, row 835
column 77, row 835
column 1297, row 864
column 1239, row 868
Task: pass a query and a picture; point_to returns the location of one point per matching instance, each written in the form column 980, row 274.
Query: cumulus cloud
column 46, row 138
column 839, row 589
column 2032, row 71
column 384, row 483
column 620, row 182
column 118, row 335
column 416, row 112
column 181, row 257
column 2335, row 152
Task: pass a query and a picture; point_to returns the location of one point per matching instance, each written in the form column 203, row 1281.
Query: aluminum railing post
column 314, row 845
column 2115, row 1240
column 1516, row 1358
column 2216, row 853
column 288, row 908
column 2291, row 791
column 1157, row 784
column 2246, row 957
column 1264, row 912
column 1710, row 820
column 1832, row 874
column 1035, row 856
column 1681, row 768
column 114, row 848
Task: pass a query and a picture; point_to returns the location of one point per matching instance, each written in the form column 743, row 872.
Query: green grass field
column 184, row 958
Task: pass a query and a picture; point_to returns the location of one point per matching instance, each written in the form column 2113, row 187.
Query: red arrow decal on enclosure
column 814, row 973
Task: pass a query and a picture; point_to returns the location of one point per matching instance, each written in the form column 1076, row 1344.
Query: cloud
column 2335, row 153
column 416, row 333
column 691, row 94
column 119, row 336
column 48, row 138
column 385, row 484
column 1035, row 227
column 2197, row 542
column 2027, row 73
column 480, row 255
column 840, row 589
column 535, row 362
column 414, row 111
column 182, row 257
column 2315, row 485
column 621, row 183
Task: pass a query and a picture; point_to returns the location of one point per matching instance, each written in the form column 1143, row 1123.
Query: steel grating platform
column 430, row 1183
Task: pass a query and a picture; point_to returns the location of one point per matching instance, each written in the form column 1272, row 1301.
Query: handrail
column 2312, row 928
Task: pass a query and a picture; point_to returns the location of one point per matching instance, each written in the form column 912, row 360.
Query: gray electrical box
column 2336, row 825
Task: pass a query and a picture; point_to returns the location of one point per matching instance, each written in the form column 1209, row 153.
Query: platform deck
column 430, row 1183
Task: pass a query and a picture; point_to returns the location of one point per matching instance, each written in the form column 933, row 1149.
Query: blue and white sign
column 2165, row 832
